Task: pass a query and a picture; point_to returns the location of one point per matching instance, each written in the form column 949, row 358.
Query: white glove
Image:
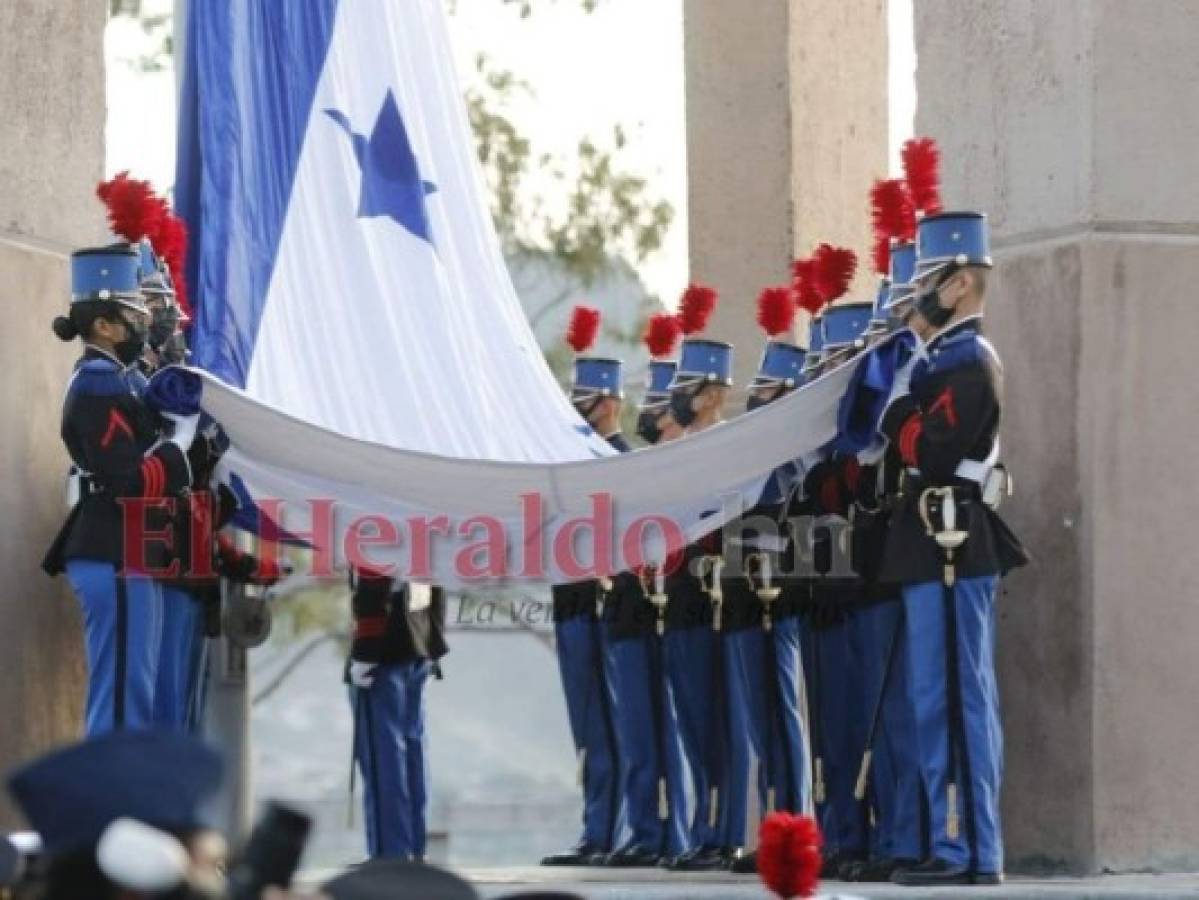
column 185, row 429
column 362, row 674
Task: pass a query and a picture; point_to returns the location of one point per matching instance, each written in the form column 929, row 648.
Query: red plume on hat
column 170, row 243
column 776, row 310
column 835, row 267
column 881, row 253
column 662, row 334
column 892, row 212
column 803, row 280
column 583, row 328
column 789, row 854
column 696, row 307
column 922, row 169
column 134, row 211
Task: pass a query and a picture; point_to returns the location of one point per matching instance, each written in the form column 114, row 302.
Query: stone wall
column 786, row 130
column 51, row 156
column 1074, row 124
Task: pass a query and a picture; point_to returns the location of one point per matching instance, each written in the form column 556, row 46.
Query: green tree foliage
column 609, row 211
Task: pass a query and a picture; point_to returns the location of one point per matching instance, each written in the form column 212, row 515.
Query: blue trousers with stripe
column 179, row 659
column 975, row 763
column 767, row 666
column 895, row 769
column 691, row 668
column 837, row 701
column 650, row 752
column 580, row 645
column 389, row 747
column 122, row 625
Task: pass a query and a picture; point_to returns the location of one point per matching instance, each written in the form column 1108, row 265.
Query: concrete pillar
column 786, row 129
column 51, row 156
column 1075, row 124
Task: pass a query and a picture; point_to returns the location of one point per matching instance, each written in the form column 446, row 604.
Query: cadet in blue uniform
column 762, row 636
column 836, row 635
column 119, row 446
column 714, row 738
column 181, row 654
column 889, row 776
column 579, row 639
column 651, row 757
column 947, row 548
column 399, row 635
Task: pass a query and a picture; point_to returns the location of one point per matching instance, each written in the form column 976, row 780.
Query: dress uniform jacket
column 951, row 415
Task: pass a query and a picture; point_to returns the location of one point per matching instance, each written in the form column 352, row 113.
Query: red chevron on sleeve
column 370, row 627
column 116, row 422
column 909, row 434
column 944, row 403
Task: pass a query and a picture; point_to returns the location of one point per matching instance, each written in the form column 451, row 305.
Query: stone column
column 51, row 156
column 1075, row 125
column 786, row 129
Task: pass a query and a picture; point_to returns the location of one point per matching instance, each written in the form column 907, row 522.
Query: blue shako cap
column 782, row 363
column 952, row 238
column 903, row 263
column 815, row 344
column 72, row 795
column 844, row 323
column 704, row 360
column 598, row 375
column 107, row 273
column 657, row 381
column 154, row 278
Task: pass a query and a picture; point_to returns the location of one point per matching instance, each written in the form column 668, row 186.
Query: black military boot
column 633, row 858
column 877, row 870
column 580, row 855
column 938, row 872
column 745, row 865
column 705, row 859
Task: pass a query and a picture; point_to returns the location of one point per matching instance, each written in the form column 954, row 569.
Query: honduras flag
column 361, row 337
column 344, row 264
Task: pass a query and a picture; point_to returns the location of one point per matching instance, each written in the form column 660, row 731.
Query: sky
column 622, row 64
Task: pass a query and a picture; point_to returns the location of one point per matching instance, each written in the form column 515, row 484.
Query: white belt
column 972, row 469
column 773, row 542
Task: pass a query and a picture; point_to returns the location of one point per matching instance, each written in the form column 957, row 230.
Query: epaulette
column 961, row 350
column 99, row 378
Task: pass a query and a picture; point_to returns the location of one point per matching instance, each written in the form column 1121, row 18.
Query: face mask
column 587, row 407
column 164, row 320
column 756, row 400
column 130, row 349
column 929, row 306
column 174, row 351
column 647, row 426
column 680, row 408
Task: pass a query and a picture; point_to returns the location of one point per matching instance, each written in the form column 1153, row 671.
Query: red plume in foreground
column 696, row 308
column 835, row 267
column 789, row 855
column 662, row 334
column 133, row 209
column 922, row 169
column 803, row 280
column 776, row 310
column 583, row 328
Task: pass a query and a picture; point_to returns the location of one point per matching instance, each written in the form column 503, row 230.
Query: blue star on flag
column 391, row 182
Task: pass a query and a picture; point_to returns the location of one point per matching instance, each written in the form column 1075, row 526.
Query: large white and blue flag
column 362, row 336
